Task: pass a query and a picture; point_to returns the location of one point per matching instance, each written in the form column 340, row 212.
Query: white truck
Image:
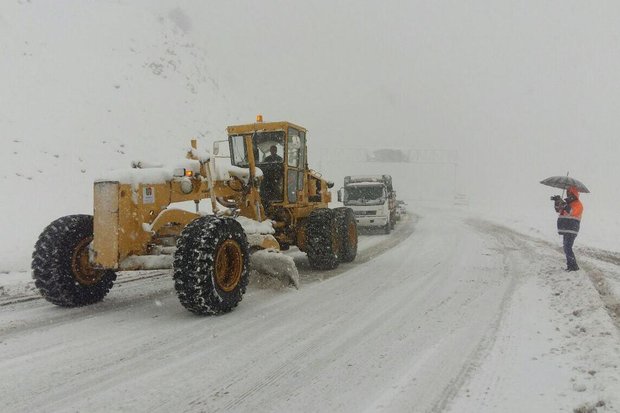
column 372, row 199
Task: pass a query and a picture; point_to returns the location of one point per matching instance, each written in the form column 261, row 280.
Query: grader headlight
column 186, row 185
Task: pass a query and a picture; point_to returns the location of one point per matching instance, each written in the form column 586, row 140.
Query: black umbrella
column 565, row 182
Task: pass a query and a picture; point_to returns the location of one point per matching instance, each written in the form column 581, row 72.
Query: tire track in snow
column 123, row 278
column 509, row 245
column 342, row 350
column 121, row 369
column 116, row 301
column 326, row 344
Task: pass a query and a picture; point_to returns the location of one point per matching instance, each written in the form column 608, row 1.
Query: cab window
column 237, row 151
column 296, row 148
column 269, row 147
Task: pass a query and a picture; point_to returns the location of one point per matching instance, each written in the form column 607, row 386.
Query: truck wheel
column 388, row 227
column 211, row 265
column 61, row 267
column 322, row 240
column 347, row 229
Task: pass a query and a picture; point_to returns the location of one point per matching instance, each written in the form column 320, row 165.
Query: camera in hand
column 556, row 198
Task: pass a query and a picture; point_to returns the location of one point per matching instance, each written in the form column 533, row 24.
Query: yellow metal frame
column 126, row 223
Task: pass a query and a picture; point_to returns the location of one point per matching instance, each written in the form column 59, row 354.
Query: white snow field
column 447, row 313
column 459, row 310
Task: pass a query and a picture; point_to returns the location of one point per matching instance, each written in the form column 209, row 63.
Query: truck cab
column 372, row 200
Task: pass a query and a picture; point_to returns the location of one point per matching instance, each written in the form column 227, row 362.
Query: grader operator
column 135, row 226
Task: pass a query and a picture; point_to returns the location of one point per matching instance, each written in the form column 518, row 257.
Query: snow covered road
column 425, row 320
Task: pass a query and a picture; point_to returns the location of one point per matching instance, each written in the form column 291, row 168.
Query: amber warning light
column 259, row 118
column 180, row 172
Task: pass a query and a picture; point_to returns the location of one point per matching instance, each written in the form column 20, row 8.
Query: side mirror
column 216, row 148
column 330, row 184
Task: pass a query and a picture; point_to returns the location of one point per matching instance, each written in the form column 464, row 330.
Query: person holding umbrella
column 569, row 221
column 570, row 211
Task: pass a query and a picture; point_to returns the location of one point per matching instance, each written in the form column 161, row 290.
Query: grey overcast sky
column 521, row 89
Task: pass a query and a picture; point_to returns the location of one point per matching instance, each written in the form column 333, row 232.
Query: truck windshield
column 364, row 195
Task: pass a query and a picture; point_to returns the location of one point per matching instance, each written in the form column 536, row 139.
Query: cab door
column 295, row 162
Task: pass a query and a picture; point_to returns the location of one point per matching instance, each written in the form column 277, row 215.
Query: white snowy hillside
column 91, row 86
column 463, row 307
column 88, row 87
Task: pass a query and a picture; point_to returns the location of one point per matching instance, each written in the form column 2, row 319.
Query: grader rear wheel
column 61, row 267
column 347, row 231
column 322, row 240
column 211, row 265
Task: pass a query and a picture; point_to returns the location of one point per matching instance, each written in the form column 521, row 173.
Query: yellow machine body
column 133, row 216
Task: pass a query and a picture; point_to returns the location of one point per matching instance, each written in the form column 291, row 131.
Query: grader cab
column 264, row 198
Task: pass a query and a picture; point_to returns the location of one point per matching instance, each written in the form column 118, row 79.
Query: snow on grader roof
column 258, row 206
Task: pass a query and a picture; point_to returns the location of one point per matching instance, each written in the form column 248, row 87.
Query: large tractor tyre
column 211, row 265
column 347, row 231
column 60, row 264
column 322, row 240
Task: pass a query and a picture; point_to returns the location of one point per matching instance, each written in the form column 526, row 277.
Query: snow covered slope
column 87, row 87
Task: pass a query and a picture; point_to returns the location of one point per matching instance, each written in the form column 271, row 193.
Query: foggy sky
column 518, row 90
column 522, row 90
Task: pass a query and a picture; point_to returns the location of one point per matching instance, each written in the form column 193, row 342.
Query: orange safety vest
column 569, row 219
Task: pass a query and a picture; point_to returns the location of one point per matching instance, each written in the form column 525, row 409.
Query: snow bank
column 16, row 284
column 556, row 350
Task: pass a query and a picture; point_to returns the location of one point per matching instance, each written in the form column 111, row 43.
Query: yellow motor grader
column 136, row 226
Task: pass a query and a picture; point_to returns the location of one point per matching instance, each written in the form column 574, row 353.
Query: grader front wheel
column 228, row 265
column 60, row 264
column 211, row 265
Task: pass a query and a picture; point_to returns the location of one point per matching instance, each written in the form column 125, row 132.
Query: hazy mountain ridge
column 91, row 89
column 89, row 86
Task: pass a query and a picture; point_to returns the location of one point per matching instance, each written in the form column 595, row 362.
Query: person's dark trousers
column 571, row 262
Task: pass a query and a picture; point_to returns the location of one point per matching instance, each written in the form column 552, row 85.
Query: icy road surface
column 445, row 314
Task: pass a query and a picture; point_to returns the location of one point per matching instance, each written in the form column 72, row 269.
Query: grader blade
column 273, row 263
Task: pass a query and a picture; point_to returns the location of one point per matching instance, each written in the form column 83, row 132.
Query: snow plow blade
column 273, row 263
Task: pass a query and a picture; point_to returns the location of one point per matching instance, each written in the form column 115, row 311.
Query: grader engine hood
column 123, row 218
column 131, row 207
column 106, row 224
